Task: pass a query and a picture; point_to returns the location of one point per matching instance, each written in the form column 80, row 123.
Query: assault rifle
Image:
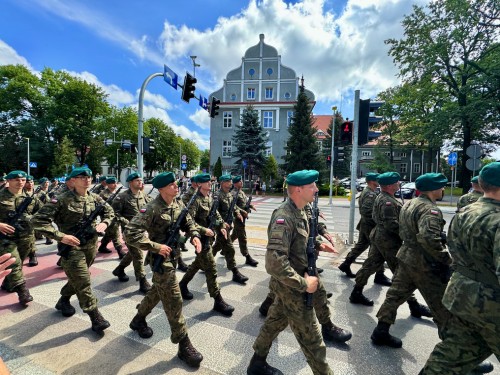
column 84, row 230
column 14, row 215
column 247, row 207
column 229, row 217
column 311, row 251
column 173, row 236
column 212, row 219
column 92, row 189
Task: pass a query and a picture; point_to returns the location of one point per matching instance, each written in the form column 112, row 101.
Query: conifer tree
column 218, row 168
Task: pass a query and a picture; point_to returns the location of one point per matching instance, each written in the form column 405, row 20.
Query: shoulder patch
column 142, row 210
column 53, row 200
column 388, row 203
column 280, row 221
column 435, row 212
column 371, row 195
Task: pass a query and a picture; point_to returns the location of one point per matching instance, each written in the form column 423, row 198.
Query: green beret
column 388, row 178
column 301, row 178
column 163, row 179
column 111, row 180
column 370, row 176
column 15, row 174
column 43, row 180
column 491, row 174
column 236, row 179
column 81, row 171
column 133, row 176
column 431, row 181
column 475, row 180
column 102, row 178
column 29, row 177
column 225, row 177
column 201, row 178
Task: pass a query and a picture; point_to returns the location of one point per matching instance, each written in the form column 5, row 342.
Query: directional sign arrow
column 170, row 76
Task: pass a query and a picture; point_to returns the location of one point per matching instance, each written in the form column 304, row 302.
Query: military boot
column 259, row 366
column 181, row 265
column 319, row 270
column 250, row 261
column 238, row 277
column 357, row 297
column 381, row 279
column 5, row 286
column 329, row 295
column 33, row 262
column 188, row 353
column 121, row 253
column 64, row 306
column 483, row 368
column 186, row 294
column 139, row 324
column 221, row 306
column 99, row 324
column 417, row 310
column 59, row 262
column 381, row 336
column 103, row 249
column 264, row 308
column 346, row 268
column 120, row 273
column 144, row 285
column 333, row 333
column 23, row 294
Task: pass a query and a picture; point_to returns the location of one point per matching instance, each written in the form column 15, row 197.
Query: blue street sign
column 33, row 164
column 452, row 158
column 170, row 76
column 203, row 102
column 184, row 166
column 244, row 162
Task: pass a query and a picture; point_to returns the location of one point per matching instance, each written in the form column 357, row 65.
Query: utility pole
column 194, row 65
column 28, row 164
column 332, row 154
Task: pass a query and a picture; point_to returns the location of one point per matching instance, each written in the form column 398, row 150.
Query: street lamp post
column 114, row 130
column 194, row 65
column 332, row 155
column 180, row 154
column 28, row 164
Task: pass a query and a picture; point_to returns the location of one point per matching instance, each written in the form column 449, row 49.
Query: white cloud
column 8, row 56
column 201, row 119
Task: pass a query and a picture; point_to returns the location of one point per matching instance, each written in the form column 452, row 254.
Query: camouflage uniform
column 286, row 262
column 67, row 210
column 156, row 219
column 186, row 197
column 99, row 189
column 473, row 293
column 112, row 232
column 468, row 198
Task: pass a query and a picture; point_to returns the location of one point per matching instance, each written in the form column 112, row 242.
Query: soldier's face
column 45, row 185
column 111, row 186
column 82, row 182
column 205, row 187
column 136, row 183
column 238, row 185
column 170, row 190
column 17, row 183
column 29, row 185
column 308, row 191
column 226, row 185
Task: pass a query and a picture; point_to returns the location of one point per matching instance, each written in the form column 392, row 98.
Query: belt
column 487, row 278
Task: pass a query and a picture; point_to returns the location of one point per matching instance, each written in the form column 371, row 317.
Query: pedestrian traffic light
column 346, row 133
column 367, row 118
column 328, row 159
column 133, row 148
column 148, row 145
column 339, row 154
column 214, row 107
column 188, row 88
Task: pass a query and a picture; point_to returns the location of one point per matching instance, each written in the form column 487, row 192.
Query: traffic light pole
column 354, row 166
column 332, row 154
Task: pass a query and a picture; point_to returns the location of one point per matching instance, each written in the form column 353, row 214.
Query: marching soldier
column 54, row 184
column 43, row 197
column 186, row 197
column 102, row 185
column 157, row 218
column 473, row 196
column 112, row 233
column 67, row 211
column 30, row 191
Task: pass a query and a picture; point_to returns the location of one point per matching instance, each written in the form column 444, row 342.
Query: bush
column 324, row 189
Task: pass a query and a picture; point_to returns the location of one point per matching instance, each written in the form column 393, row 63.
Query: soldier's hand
column 101, row 227
column 244, row 214
column 224, row 233
column 5, row 261
column 329, row 238
column 321, row 215
column 312, row 283
column 209, row 232
column 70, row 240
column 197, row 244
column 6, row 228
column 226, row 226
column 164, row 251
column 240, row 218
column 327, row 247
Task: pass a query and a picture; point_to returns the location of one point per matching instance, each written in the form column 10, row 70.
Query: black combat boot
column 259, row 366
column 483, row 368
column 186, row 294
column 333, row 333
column 121, row 253
column 48, row 241
column 238, row 277
column 59, row 262
column 358, row 297
column 144, row 285
column 381, row 279
column 181, row 265
column 188, row 353
column 346, row 268
column 99, row 324
column 103, row 249
column 329, row 295
column 221, row 306
column 417, row 310
column 120, row 273
column 5, row 287
column 264, row 308
column 319, row 270
column 64, row 306
column 381, row 336
column 33, row 262
column 139, row 324
column 24, row 295
column 250, row 261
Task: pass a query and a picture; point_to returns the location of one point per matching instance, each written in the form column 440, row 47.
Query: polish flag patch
column 388, row 203
column 280, row 221
column 142, row 210
column 53, row 200
column 435, row 212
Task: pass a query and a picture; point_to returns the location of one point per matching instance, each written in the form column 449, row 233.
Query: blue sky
column 338, row 45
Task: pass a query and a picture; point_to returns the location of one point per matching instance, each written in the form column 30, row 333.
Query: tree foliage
column 205, row 160
column 270, row 170
column 217, row 168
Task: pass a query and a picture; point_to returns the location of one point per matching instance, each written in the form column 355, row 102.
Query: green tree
column 381, row 162
column 64, row 158
column 166, row 156
column 205, row 160
column 270, row 170
column 250, row 142
column 217, row 172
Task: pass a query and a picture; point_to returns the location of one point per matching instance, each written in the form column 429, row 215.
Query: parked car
column 409, row 191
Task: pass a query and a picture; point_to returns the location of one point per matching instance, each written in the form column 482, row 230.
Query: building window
column 269, row 92
column 251, row 94
column 402, row 168
column 366, row 153
column 269, row 148
column 320, row 133
column 233, row 97
column 416, row 168
column 387, row 153
column 227, row 119
column 226, row 149
column 288, row 95
column 268, row 119
column 289, row 118
column 402, row 154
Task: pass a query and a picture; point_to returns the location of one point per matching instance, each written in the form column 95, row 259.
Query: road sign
column 452, row 158
column 184, row 166
column 474, row 151
column 473, row 164
column 203, row 102
column 244, row 163
column 33, row 164
column 170, row 76
column 184, row 158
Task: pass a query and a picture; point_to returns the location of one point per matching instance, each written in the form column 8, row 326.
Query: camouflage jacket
column 366, row 201
column 200, row 210
column 67, row 211
column 43, row 196
column 225, row 200
column 385, row 214
column 8, row 205
column 286, row 258
column 106, row 193
column 241, row 200
column 127, row 205
column 186, row 197
column 468, row 198
column 473, row 293
column 99, row 189
column 420, row 225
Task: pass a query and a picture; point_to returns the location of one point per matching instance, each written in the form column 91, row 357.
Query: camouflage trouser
column 112, row 233
column 289, row 309
column 404, row 283
column 136, row 257
column 240, row 233
column 76, row 267
column 204, row 261
column 465, row 345
column 226, row 245
column 166, row 289
column 32, row 247
column 363, row 243
column 20, row 249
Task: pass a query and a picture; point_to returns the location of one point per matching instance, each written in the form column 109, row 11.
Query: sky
column 337, row 45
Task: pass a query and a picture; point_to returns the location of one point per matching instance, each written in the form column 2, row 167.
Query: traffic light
column 328, row 159
column 133, row 148
column 148, row 145
column 367, row 118
column 188, row 88
column 339, row 154
column 214, row 107
column 346, row 133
